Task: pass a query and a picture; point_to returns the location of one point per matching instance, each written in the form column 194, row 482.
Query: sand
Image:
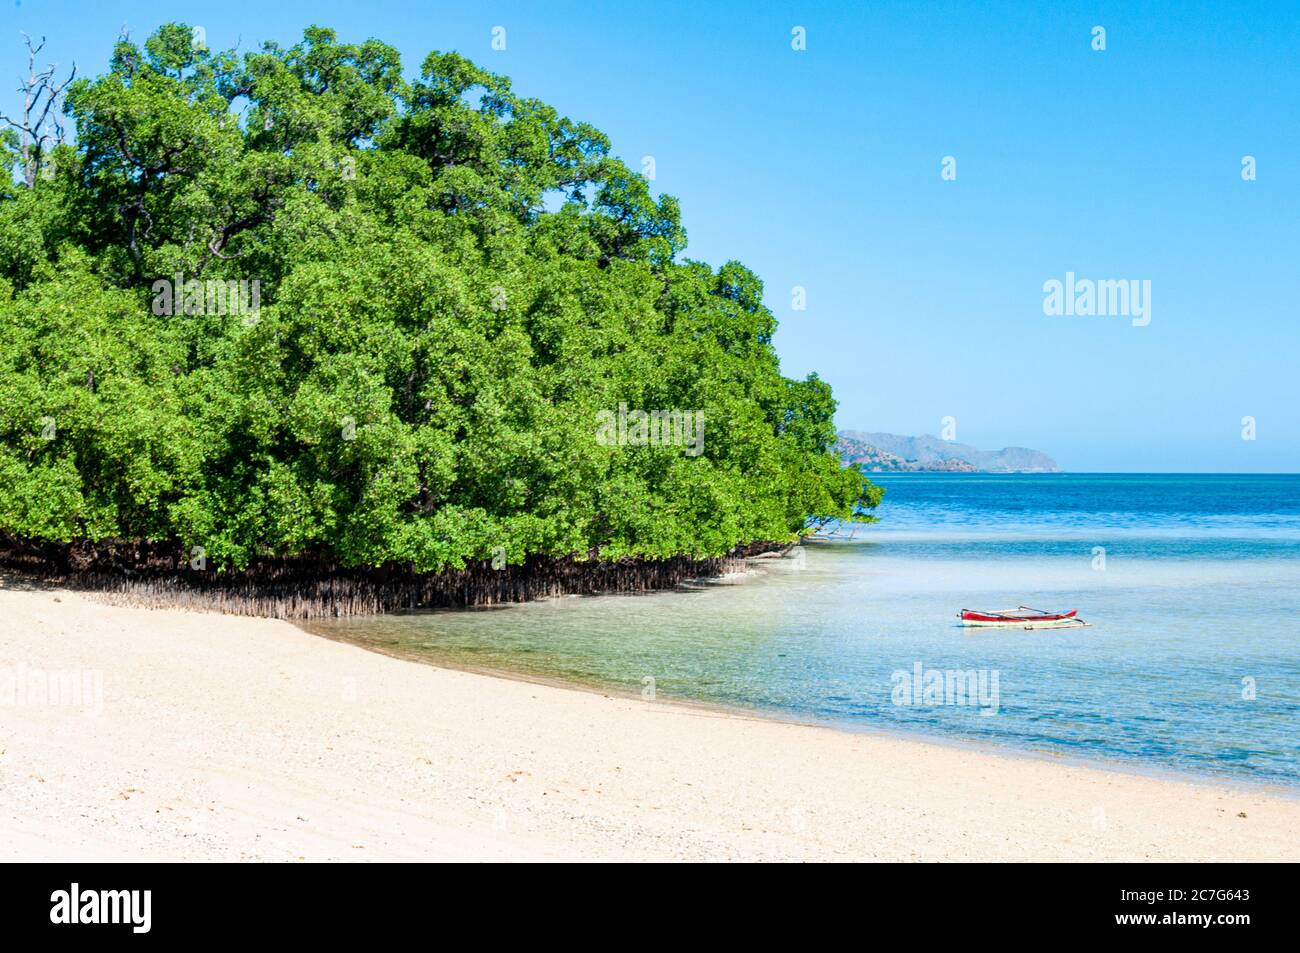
column 189, row 736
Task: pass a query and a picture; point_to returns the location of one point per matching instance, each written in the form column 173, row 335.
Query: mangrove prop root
column 157, row 576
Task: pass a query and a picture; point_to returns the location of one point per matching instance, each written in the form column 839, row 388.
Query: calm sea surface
column 1191, row 585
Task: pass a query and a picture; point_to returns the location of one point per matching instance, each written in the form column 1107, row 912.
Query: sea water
column 1190, row 585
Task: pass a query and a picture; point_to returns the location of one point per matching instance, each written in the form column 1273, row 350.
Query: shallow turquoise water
column 1194, row 609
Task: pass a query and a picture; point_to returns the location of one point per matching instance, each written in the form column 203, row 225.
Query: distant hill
column 887, row 452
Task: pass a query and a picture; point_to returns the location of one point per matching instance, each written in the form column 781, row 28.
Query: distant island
column 892, row 453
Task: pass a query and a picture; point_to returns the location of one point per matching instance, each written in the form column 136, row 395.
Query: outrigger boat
column 1022, row 617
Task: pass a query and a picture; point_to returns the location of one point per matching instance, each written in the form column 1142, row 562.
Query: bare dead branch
column 40, row 125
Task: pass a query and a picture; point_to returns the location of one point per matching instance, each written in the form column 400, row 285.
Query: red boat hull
column 969, row 615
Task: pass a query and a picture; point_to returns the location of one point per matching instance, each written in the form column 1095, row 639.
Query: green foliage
column 454, row 282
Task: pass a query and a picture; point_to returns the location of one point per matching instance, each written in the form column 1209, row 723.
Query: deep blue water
column 1191, row 586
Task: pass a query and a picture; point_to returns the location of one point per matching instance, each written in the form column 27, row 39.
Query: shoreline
column 1116, row 765
column 233, row 738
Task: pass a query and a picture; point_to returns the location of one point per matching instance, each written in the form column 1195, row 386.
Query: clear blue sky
column 822, row 169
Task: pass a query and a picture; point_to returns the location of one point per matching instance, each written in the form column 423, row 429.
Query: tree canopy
column 452, row 282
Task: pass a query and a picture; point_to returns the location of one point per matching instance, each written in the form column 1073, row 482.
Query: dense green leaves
column 454, row 283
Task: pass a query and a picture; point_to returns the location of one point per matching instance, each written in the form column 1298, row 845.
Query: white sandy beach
column 227, row 738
